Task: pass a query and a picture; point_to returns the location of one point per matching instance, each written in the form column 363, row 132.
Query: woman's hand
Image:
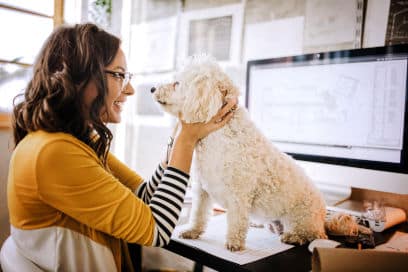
column 188, row 135
column 197, row 131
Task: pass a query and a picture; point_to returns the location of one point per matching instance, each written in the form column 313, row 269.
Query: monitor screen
column 345, row 107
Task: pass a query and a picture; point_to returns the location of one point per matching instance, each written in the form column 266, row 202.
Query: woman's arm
column 143, row 189
column 146, row 189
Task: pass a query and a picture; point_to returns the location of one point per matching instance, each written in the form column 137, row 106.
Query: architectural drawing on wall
column 212, row 36
column 153, row 46
column 215, row 31
column 332, row 25
column 151, row 10
column 265, row 11
column 397, row 28
column 260, row 40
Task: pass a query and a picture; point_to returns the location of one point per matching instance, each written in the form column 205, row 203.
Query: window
column 25, row 26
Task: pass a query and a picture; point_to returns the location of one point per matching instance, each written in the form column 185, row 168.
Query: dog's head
column 199, row 91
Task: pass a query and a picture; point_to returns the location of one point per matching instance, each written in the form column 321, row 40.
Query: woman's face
column 116, row 72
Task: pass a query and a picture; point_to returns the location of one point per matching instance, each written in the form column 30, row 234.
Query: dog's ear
column 203, row 100
column 227, row 88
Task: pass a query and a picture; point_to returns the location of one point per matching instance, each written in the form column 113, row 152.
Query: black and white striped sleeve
column 166, row 204
column 146, row 189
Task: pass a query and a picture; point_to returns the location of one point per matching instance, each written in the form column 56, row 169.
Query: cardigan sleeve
column 74, row 182
column 123, row 173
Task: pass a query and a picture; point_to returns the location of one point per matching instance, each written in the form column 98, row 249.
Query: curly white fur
column 237, row 166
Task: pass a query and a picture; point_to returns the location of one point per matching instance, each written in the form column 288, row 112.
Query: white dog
column 237, row 166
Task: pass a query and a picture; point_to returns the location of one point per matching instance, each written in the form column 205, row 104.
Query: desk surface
column 295, row 259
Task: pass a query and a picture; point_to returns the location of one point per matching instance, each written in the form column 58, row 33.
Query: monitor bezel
column 347, row 56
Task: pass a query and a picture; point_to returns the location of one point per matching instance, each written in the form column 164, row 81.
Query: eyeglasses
column 124, row 77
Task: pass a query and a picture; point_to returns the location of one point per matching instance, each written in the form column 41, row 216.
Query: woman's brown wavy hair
column 53, row 99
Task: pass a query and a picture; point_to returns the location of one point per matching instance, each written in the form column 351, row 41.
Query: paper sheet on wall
column 332, row 25
column 260, row 242
column 215, row 31
column 375, row 23
column 284, row 38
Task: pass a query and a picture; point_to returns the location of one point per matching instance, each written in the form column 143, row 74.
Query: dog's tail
column 345, row 225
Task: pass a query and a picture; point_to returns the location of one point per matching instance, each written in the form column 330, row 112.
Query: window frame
column 58, row 19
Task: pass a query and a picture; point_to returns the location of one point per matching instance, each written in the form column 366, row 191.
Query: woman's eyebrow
column 119, row 67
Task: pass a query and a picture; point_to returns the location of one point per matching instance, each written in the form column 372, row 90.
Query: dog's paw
column 235, row 245
column 190, row 234
column 293, row 238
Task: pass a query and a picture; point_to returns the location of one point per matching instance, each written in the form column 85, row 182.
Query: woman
column 71, row 202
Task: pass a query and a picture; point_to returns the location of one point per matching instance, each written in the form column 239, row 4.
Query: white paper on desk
column 260, row 242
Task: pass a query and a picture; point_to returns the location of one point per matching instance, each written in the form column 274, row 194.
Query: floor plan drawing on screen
column 354, row 109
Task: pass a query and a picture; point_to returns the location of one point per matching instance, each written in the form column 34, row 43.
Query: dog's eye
column 175, row 84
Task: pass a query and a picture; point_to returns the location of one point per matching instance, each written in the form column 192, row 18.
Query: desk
column 294, row 259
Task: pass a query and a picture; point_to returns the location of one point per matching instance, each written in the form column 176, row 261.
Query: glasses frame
column 125, row 77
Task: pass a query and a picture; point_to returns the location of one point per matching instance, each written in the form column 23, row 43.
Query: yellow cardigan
column 64, row 205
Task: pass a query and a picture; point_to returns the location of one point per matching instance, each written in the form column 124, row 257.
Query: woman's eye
column 117, row 75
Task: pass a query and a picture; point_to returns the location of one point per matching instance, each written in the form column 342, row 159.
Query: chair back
column 12, row 260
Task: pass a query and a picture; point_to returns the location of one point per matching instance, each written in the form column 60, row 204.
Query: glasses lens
column 125, row 81
column 127, row 78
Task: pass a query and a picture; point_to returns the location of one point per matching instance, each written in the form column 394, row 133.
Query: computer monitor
column 342, row 114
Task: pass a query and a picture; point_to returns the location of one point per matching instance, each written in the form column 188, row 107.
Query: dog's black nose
column 153, row 89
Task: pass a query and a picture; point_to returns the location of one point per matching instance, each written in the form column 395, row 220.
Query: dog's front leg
column 200, row 211
column 238, row 223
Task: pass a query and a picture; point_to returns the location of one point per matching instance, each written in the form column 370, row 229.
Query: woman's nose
column 129, row 90
column 153, row 89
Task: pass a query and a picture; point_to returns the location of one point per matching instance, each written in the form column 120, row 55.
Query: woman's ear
column 203, row 100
